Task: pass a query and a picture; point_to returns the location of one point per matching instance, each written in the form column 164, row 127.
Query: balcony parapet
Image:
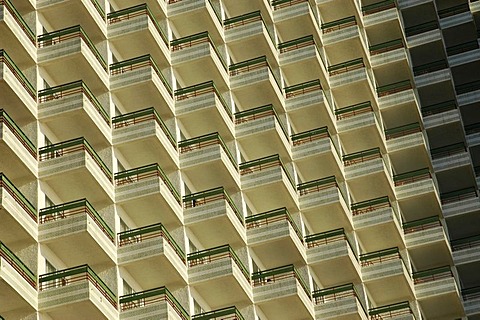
column 302, row 88
column 433, row 274
column 411, row 177
column 386, row 46
column 394, row 88
column 271, row 276
column 9, row 187
column 18, row 265
column 361, row 156
column 242, row 117
column 246, row 19
column 338, row 24
column 344, row 67
column 462, row 47
column 269, row 217
column 430, row 67
column 18, row 133
column 467, row 87
column 325, row 238
column 5, row 59
column 400, row 310
column 230, row 313
column 421, row 28
column 353, row 110
column 422, row 224
column 378, row 7
column 402, row 131
column 439, row 108
column 454, row 10
column 317, row 185
column 256, row 165
column 206, row 141
column 381, row 256
column 252, row 65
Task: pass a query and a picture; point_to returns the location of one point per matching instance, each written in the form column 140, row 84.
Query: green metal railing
column 402, row 131
column 466, row 243
column 18, row 133
column 343, row 67
column 472, row 128
column 451, row 11
column 204, row 141
column 302, row 88
column 394, row 88
column 380, row 256
column 310, row 135
column 279, row 4
column 317, row 185
column 271, row 276
column 5, row 58
column 458, row 195
column 272, row 216
column 251, row 65
column 338, row 24
column 378, row 7
column 386, row 46
column 141, row 116
column 462, row 47
column 421, row 28
column 430, row 67
column 213, row 254
column 391, row 311
column 353, row 110
column 432, row 274
column 18, row 265
column 448, row 150
column 421, row 224
column 152, row 296
column 19, row 19
column 133, row 236
column 263, row 164
column 72, row 88
column 467, row 87
column 324, row 238
column 230, row 313
column 145, row 172
column 72, row 208
column 71, row 146
column 245, row 19
column 296, row 44
column 334, row 293
column 22, row 201
column 58, row 36
column 439, row 108
column 75, row 275
column 211, row 195
column 366, row 206
column 411, row 177
column 361, row 156
column 471, row 293
column 259, row 113
column 133, row 12
column 200, row 89
column 138, row 63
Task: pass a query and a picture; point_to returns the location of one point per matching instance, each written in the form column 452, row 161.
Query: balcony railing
column 18, row 133
column 451, row 11
column 19, row 19
column 8, row 186
column 137, row 63
column 411, row 177
column 362, row 156
column 58, row 36
column 317, row 185
column 347, row 66
column 230, row 313
column 214, row 8
column 5, row 58
column 251, row 65
column 353, row 110
column 296, row 44
column 75, row 275
column 198, row 90
column 439, row 108
column 211, row 195
column 466, row 243
column 370, row 205
column 133, row 12
column 338, row 24
column 245, row 19
column 472, row 128
column 18, row 265
column 458, row 195
column 141, row 234
column 271, row 276
column 77, row 207
column 421, row 28
column 218, row 253
column 386, row 46
column 258, row 113
column 334, row 293
column 272, row 216
column 471, row 293
column 263, row 164
column 302, row 88
column 324, row 238
column 380, row 256
column 462, row 47
column 206, row 141
column 432, row 274
column 279, row 4
column 72, row 88
column 378, row 6
column 152, row 296
column 430, row 67
column 402, row 131
column 421, row 224
column 394, row 88
column 140, row 116
column 71, row 146
column 467, row 87
column 145, row 172
column 391, row 311
column 448, row 150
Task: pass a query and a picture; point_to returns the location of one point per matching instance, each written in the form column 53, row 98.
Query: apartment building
column 239, row 159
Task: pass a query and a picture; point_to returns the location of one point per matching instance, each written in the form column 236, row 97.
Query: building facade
column 239, row 159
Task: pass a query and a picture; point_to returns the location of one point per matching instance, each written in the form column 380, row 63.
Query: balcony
column 71, row 49
column 350, row 76
column 472, row 133
column 471, row 300
column 386, row 266
column 324, row 205
column 468, row 92
column 135, row 30
column 463, row 53
column 460, row 201
column 196, row 59
column 214, row 209
column 76, row 293
column 465, row 250
column 253, row 83
column 62, row 227
column 440, row 114
column 431, row 73
column 340, row 301
column 219, row 276
column 368, row 167
column 399, row 311
column 208, row 162
column 18, row 215
column 450, row 157
column 17, row 147
column 152, row 257
column 226, row 313
column 397, row 94
column 379, row 12
column 294, row 18
column 147, row 195
column 275, row 237
column 260, row 132
column 407, row 142
column 427, row 242
column 330, row 251
column 267, row 184
column 138, row 83
column 377, row 224
column 142, row 137
column 437, row 292
column 282, row 293
column 74, row 106
column 308, row 106
column 73, row 167
column 158, row 302
column 16, row 90
column 423, row 33
column 248, row 35
column 18, row 285
column 201, row 106
column 389, row 52
column 341, row 30
column 454, row 15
